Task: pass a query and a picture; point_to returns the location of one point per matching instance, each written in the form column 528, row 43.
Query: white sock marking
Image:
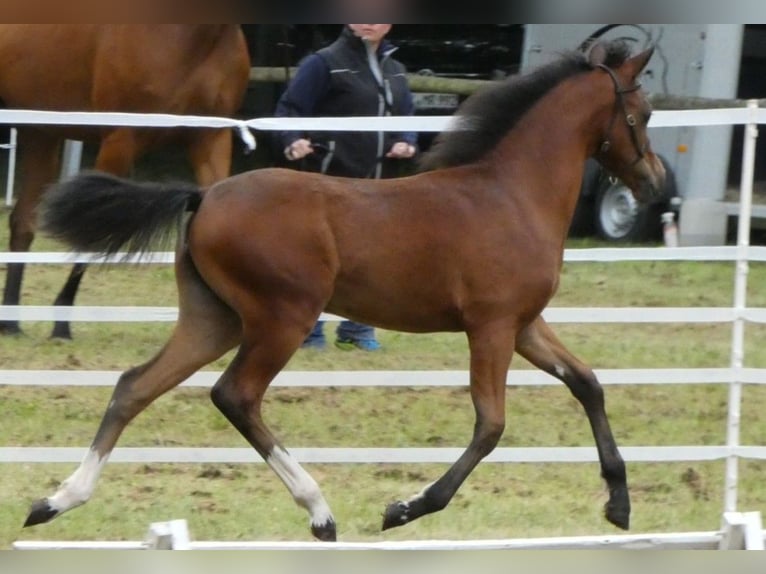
column 302, row 486
column 79, row 487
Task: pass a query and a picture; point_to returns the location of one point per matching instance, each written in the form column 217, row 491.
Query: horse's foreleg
column 239, row 395
column 540, row 346
column 206, row 329
column 491, row 351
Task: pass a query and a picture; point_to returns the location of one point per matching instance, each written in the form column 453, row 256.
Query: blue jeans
column 347, row 330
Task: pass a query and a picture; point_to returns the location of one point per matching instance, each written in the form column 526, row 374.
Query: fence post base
column 170, row 535
column 742, row 531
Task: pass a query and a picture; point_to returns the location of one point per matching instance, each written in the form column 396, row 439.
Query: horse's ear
column 638, row 62
column 596, row 54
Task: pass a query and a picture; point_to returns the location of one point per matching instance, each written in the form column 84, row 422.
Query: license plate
column 430, row 101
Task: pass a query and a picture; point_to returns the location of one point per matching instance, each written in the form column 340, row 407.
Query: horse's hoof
column 10, row 328
column 397, row 514
column 40, row 513
column 61, row 331
column 324, row 532
column 617, row 510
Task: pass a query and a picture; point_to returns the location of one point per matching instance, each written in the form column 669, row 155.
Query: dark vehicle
column 607, row 208
column 479, row 51
column 474, row 51
column 482, row 52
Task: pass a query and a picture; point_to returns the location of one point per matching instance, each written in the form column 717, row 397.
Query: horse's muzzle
column 651, row 179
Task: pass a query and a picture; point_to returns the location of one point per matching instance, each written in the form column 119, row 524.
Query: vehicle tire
column 582, row 224
column 620, row 217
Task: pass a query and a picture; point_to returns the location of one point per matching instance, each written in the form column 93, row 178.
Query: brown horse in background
column 196, row 69
column 474, row 245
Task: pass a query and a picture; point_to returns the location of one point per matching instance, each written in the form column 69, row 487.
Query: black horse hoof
column 397, row 514
column 10, row 328
column 617, row 509
column 61, row 331
column 40, row 513
column 324, row 532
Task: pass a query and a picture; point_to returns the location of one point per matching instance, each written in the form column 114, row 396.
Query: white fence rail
column 739, row 531
column 552, row 314
column 735, row 376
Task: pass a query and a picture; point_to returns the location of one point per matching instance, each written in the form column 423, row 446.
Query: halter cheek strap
column 630, row 119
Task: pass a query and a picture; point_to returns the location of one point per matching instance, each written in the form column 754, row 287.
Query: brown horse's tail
column 100, row 213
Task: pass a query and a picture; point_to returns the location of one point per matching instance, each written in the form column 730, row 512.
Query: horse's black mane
column 490, row 113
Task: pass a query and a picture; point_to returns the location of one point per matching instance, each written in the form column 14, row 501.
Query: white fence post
column 11, row 177
column 170, row 535
column 740, row 295
column 741, row 531
column 71, row 158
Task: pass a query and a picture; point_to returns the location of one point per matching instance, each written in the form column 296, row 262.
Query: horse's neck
column 564, row 125
column 552, row 141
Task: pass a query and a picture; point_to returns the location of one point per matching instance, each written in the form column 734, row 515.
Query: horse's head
column 624, row 147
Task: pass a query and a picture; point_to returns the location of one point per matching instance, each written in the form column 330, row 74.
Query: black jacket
column 339, row 81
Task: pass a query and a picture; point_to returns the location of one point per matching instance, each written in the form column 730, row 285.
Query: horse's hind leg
column 62, row 329
column 267, row 345
column 206, row 329
column 39, row 159
column 116, row 155
column 491, row 350
column 209, row 153
column 540, row 346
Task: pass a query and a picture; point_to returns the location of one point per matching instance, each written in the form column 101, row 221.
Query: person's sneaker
column 364, row 345
column 316, row 344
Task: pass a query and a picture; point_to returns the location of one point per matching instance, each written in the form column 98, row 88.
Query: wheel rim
column 618, row 212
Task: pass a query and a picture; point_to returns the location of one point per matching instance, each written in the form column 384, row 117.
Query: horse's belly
column 434, row 299
column 396, row 319
column 409, row 310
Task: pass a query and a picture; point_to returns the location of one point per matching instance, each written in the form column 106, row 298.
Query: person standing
column 354, row 76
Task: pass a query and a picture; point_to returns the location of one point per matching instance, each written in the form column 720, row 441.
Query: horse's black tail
column 100, row 213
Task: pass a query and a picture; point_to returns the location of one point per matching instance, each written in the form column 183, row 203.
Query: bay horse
column 200, row 69
column 473, row 243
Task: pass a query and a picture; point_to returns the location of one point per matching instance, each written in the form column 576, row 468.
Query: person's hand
column 401, row 150
column 298, row 149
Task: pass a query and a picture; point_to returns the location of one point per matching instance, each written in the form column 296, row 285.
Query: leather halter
column 630, row 119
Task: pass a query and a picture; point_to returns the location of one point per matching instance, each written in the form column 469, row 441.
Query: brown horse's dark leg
column 210, row 155
column 116, row 155
column 540, row 346
column 206, row 329
column 491, row 350
column 39, row 160
column 267, row 346
column 62, row 329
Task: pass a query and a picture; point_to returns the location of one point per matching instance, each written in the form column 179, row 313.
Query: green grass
column 499, row 500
